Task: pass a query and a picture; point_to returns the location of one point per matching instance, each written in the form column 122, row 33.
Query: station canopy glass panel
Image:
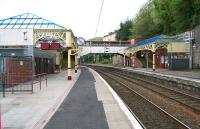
column 28, row 21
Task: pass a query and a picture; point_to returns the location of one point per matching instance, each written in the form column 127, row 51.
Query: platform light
column 12, row 54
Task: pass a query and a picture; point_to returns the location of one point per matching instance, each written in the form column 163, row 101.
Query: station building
column 31, row 45
column 159, row 52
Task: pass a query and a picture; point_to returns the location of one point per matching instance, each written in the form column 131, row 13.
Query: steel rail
column 169, row 115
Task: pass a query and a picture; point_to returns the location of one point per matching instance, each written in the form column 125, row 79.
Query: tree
column 97, row 39
column 124, row 33
column 145, row 23
column 166, row 17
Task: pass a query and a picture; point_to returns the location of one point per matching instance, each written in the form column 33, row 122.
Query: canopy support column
column 69, row 76
column 154, row 55
column 76, row 63
column 124, row 59
column 133, row 60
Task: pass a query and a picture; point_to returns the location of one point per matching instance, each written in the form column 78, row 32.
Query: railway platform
column 92, row 104
column 86, row 102
column 184, row 74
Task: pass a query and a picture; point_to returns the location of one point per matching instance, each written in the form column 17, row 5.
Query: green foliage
column 124, row 33
column 97, row 39
column 145, row 23
column 105, row 61
column 166, row 17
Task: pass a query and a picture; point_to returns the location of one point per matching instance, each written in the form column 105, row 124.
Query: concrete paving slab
column 27, row 111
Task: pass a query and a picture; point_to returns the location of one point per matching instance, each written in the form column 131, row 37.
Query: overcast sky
column 79, row 15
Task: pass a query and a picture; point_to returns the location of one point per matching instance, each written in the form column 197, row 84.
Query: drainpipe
column 154, row 56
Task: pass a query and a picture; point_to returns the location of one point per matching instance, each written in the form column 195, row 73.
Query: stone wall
column 196, row 48
column 196, row 57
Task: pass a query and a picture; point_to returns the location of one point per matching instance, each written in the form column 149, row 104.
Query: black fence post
column 3, row 84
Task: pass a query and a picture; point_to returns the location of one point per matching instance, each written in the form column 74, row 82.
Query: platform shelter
column 160, row 52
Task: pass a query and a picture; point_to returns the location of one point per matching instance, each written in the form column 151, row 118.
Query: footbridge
column 101, row 47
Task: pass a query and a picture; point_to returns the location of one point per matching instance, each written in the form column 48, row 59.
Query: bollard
column 46, row 79
column 75, row 68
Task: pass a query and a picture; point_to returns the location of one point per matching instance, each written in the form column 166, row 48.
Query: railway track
column 187, row 100
column 151, row 115
column 188, row 112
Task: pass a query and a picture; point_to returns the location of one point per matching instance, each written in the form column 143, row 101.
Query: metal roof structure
column 154, row 43
column 158, row 39
column 28, row 21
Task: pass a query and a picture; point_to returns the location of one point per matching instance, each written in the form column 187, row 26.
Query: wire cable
column 99, row 18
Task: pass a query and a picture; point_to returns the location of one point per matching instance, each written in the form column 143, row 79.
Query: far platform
column 193, row 74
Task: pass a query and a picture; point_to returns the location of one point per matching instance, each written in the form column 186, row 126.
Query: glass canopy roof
column 28, row 21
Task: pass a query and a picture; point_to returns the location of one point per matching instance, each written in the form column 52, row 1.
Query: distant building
column 135, row 40
column 110, row 36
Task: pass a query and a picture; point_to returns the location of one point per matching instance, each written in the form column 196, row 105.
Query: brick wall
column 196, row 56
column 18, row 71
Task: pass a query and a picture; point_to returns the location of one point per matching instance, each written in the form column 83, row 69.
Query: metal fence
column 16, row 74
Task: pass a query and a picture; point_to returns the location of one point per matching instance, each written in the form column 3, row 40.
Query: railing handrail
column 41, row 74
column 40, row 80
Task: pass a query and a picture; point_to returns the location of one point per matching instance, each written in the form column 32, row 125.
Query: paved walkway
column 27, row 111
column 81, row 109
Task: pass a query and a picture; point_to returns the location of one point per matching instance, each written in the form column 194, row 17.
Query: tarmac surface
column 81, row 109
